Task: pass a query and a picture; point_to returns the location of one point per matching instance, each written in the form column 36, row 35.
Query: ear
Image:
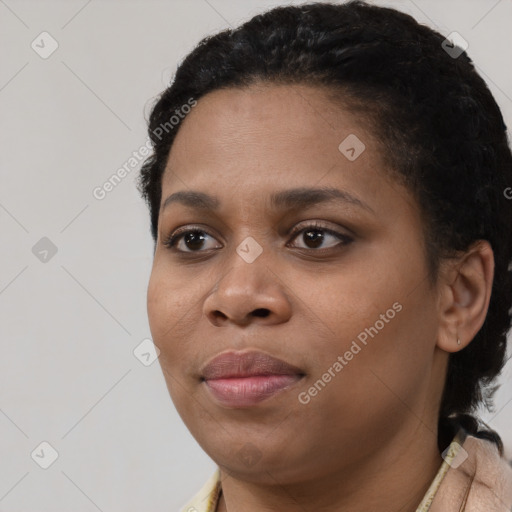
column 464, row 295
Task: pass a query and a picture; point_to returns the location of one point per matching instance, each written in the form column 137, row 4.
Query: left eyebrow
column 301, row 198
column 292, row 199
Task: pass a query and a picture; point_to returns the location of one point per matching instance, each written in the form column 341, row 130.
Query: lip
column 244, row 379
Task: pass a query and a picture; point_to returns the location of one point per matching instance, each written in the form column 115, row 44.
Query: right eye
column 192, row 239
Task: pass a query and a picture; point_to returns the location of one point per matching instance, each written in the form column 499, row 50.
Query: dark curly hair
column 439, row 128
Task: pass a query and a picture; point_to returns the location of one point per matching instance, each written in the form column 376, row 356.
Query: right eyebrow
column 193, row 199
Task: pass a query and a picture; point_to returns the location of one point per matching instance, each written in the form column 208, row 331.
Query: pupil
column 193, row 237
column 311, row 237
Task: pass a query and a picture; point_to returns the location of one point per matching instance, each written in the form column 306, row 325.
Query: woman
column 330, row 290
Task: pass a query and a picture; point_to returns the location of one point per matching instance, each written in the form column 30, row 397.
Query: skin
column 368, row 439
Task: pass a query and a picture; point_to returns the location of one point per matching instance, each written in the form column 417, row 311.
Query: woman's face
column 332, row 283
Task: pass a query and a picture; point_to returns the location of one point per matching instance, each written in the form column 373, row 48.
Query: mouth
column 244, row 379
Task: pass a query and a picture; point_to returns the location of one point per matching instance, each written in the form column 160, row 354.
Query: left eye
column 315, row 236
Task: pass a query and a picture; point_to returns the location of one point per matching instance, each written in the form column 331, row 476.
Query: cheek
column 381, row 320
column 158, row 304
column 169, row 325
column 386, row 347
column 346, row 302
column 170, row 311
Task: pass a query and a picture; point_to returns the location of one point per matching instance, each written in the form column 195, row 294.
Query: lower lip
column 248, row 391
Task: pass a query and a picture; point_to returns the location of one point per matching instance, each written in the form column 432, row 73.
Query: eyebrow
column 292, row 199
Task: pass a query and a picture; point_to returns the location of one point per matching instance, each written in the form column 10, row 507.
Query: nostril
column 263, row 312
column 219, row 314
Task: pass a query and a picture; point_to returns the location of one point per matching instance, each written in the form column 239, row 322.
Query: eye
column 192, row 239
column 314, row 235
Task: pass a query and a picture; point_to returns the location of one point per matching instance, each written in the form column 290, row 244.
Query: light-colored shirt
column 449, row 456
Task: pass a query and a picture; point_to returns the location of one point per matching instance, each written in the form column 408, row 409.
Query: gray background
column 69, row 324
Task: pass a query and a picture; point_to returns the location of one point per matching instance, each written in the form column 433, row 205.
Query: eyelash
column 171, row 240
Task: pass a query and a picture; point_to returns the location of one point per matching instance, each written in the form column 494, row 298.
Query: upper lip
column 246, row 364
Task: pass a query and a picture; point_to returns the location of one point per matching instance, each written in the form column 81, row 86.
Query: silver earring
column 458, row 341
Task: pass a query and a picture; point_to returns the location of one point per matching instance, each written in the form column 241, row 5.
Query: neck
column 394, row 478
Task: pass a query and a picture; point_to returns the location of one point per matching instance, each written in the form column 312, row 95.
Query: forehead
column 269, row 130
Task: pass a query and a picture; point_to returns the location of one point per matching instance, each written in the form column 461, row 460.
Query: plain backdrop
column 74, row 269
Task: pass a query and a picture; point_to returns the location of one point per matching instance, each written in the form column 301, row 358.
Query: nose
column 247, row 293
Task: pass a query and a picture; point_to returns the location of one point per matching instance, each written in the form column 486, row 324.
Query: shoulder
column 478, row 479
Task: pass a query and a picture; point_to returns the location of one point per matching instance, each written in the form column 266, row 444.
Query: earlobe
column 466, row 285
